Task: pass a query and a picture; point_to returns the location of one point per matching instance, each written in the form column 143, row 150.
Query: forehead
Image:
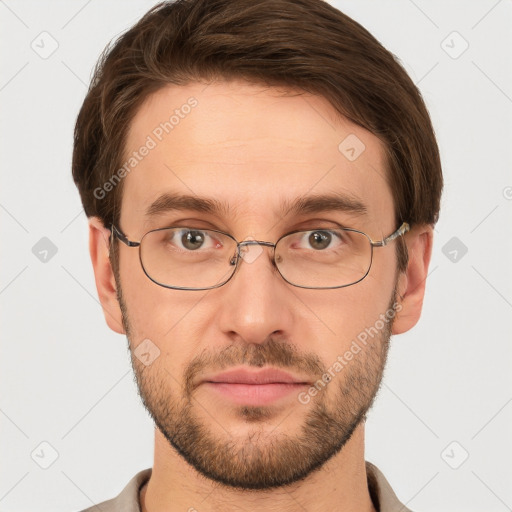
column 250, row 147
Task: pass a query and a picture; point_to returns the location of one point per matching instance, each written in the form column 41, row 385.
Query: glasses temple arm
column 121, row 236
column 399, row 232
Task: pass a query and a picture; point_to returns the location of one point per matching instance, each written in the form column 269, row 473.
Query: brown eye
column 192, row 240
column 319, row 239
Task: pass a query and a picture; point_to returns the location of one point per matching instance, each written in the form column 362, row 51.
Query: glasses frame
column 115, row 231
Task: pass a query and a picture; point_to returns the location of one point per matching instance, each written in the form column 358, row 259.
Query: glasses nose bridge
column 255, row 242
column 245, row 243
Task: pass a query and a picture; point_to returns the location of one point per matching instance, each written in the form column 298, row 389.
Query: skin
column 253, row 147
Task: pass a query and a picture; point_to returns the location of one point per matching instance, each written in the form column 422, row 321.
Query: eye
column 320, row 240
column 194, row 239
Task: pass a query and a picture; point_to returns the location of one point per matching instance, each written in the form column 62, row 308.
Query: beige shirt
column 383, row 497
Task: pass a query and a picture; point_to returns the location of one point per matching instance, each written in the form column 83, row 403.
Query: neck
column 341, row 485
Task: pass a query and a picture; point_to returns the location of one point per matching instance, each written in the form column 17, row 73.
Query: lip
column 260, row 387
column 264, row 376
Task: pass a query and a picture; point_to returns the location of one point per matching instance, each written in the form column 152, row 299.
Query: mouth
column 260, row 387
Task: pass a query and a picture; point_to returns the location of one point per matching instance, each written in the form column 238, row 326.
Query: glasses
column 186, row 258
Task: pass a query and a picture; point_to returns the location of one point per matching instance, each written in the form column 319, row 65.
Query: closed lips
column 266, row 376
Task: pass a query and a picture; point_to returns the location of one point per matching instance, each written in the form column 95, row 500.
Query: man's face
column 255, row 149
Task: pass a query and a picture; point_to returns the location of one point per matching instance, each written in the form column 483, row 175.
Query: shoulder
column 128, row 499
column 381, row 492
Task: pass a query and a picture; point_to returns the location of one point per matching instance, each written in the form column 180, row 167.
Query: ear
column 99, row 248
column 411, row 283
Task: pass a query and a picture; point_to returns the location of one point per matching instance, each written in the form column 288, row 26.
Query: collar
column 383, row 497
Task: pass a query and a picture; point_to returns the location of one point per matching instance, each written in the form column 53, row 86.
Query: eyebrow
column 301, row 205
column 176, row 202
column 323, row 203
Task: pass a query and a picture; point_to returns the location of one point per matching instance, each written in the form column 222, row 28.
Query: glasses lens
column 197, row 258
column 187, row 258
column 324, row 258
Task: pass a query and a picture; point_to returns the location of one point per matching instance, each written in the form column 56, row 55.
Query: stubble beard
column 265, row 457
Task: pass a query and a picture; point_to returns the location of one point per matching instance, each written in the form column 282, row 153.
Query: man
column 262, row 181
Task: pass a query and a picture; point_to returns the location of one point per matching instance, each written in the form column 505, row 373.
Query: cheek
column 149, row 305
column 341, row 315
column 171, row 319
column 381, row 280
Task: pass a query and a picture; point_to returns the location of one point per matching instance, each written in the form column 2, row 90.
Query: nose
column 256, row 302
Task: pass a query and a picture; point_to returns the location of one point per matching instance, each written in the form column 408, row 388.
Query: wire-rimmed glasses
column 187, row 258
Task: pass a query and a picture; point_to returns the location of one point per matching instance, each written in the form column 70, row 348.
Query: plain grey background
column 73, row 429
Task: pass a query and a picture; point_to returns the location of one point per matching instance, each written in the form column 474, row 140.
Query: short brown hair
column 304, row 44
